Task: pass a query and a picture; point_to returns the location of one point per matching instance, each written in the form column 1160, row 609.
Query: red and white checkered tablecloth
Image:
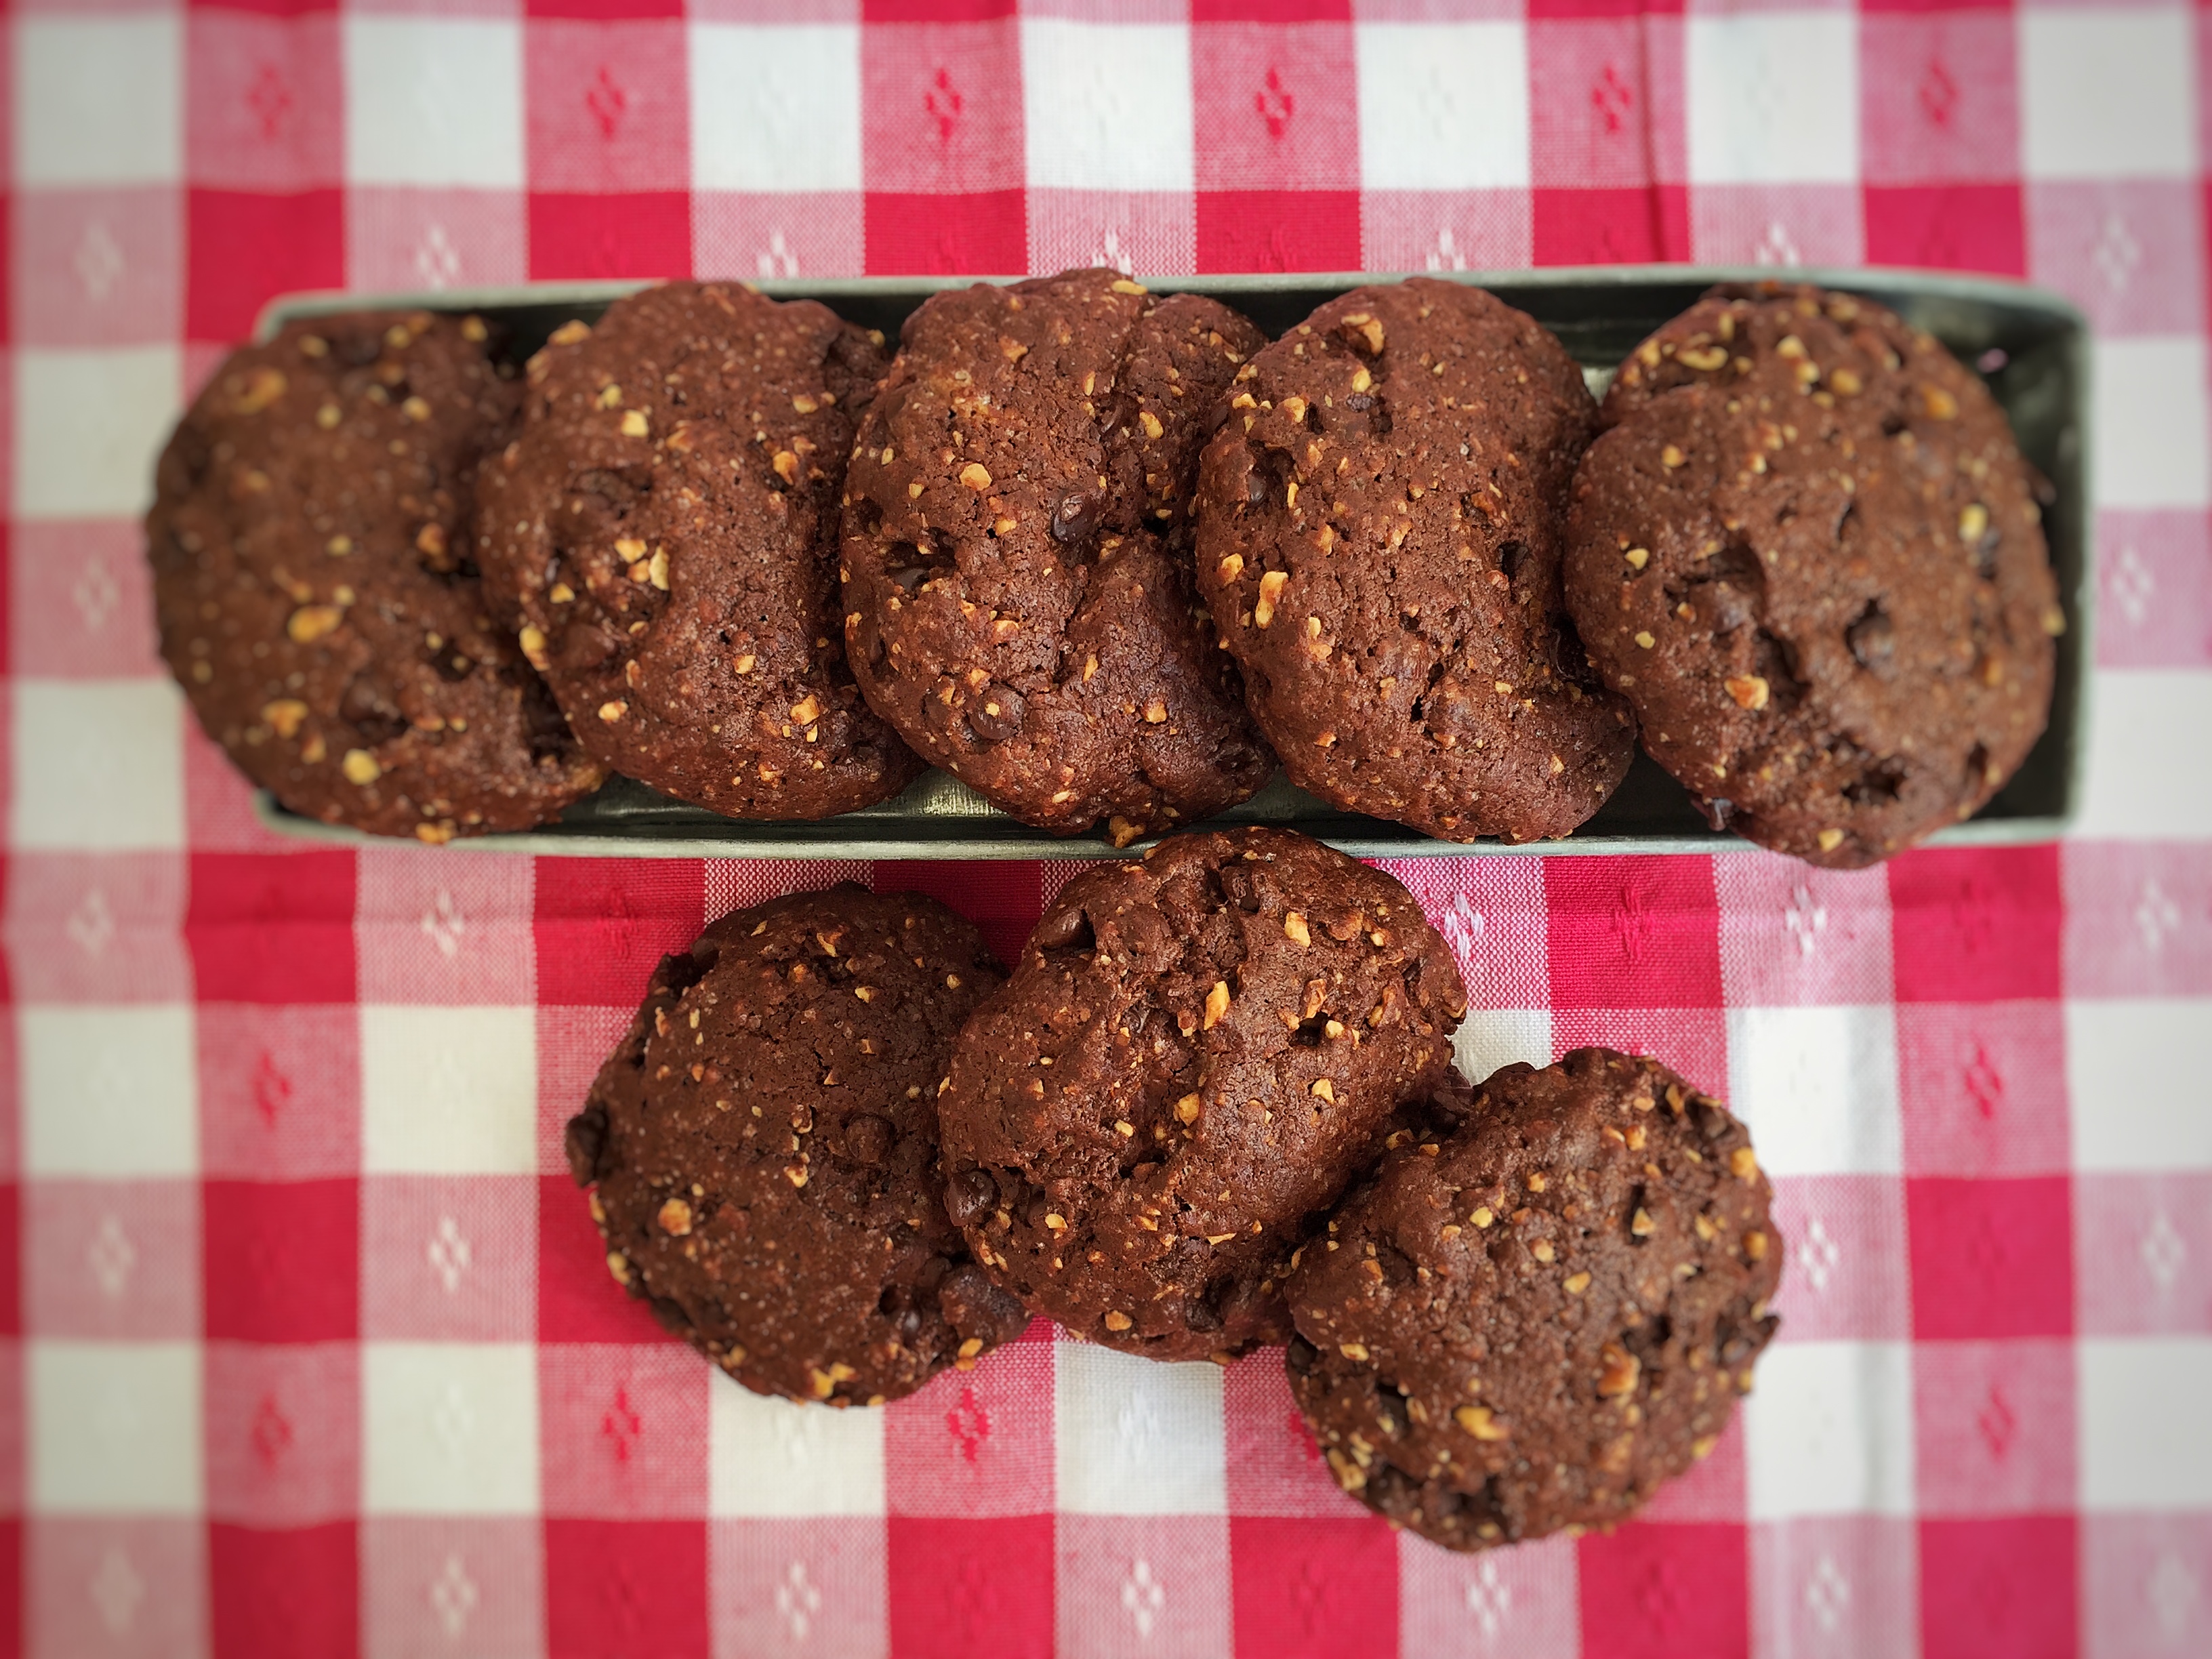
column 307, row 1346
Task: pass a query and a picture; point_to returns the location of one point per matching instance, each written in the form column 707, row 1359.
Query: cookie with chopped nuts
column 1018, row 591
column 1196, row 1052
column 314, row 590
column 1531, row 1323
column 665, row 530
column 1807, row 549
column 761, row 1148
column 1379, row 538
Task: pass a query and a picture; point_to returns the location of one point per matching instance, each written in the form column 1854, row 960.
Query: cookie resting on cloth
column 1380, row 526
column 315, row 591
column 1196, row 1052
column 664, row 532
column 1017, row 553
column 1527, row 1323
column 761, row 1148
column 1810, row 553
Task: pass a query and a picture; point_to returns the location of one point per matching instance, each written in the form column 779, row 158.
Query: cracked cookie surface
column 313, row 587
column 664, row 528
column 1196, row 1052
column 1807, row 551
column 1530, row 1321
column 762, row 1147
column 1018, row 593
column 1379, row 538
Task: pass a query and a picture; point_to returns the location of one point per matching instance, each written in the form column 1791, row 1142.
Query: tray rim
column 754, row 838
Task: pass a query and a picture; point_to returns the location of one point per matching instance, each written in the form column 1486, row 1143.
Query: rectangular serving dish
column 2031, row 347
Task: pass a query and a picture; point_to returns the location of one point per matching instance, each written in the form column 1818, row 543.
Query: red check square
column 980, row 233
column 645, row 235
column 604, row 924
column 1610, row 227
column 1309, row 1586
column 578, row 1300
column 2000, row 1588
column 1947, row 228
column 287, row 1592
column 242, row 249
column 960, row 1588
column 282, row 1260
column 626, row 1587
column 273, row 929
column 1666, row 1592
column 1240, row 230
column 1976, row 925
column 1990, row 1259
column 1633, row 932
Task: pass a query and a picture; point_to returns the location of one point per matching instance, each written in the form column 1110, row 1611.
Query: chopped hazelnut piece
column 1271, row 589
column 1479, row 1421
column 1749, row 690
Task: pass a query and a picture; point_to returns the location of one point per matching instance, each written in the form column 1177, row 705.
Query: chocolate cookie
column 1531, row 1323
column 1379, row 536
column 1018, row 591
column 665, row 526
column 1196, row 1054
column 1807, row 551
column 309, row 538
column 762, row 1149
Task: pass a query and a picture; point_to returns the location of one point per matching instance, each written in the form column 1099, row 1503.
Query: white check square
column 1443, row 106
column 109, row 1093
column 1108, row 105
column 434, row 101
column 1818, row 1088
column 2148, row 779
column 1490, row 1037
column 449, row 1091
column 2132, row 1108
column 1136, row 1437
column 449, row 1428
column 99, row 766
column 2147, row 394
column 1829, row 1430
column 88, row 426
column 99, row 100
column 1773, row 98
column 774, row 1457
column 2105, row 92
column 776, row 108
column 2146, row 1438
column 115, row 1427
